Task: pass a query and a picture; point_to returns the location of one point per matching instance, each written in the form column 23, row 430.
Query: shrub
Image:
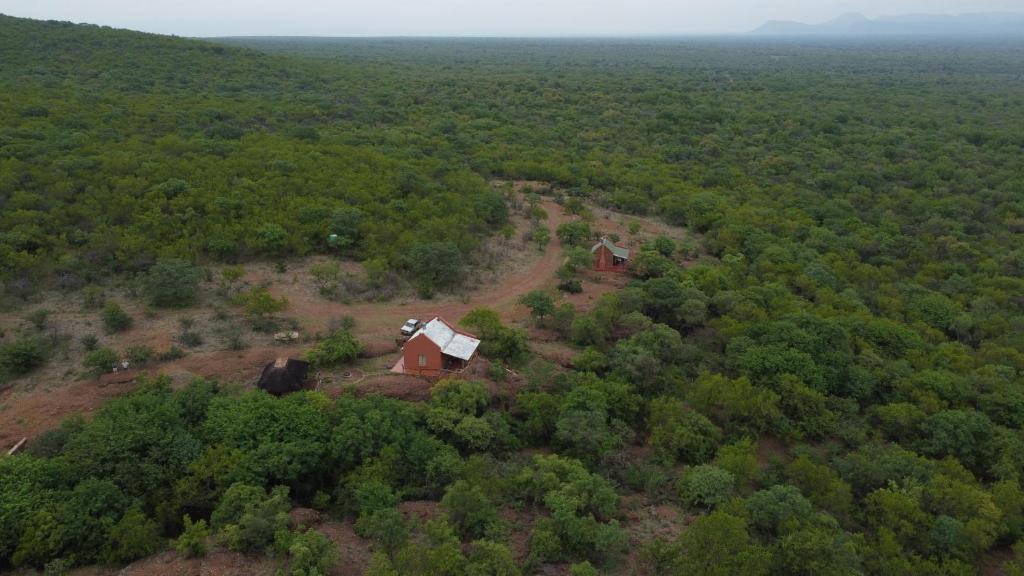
column 487, row 557
column 326, row 276
column 571, row 286
column 574, row 233
column 115, row 319
column 583, row 569
column 22, row 356
column 92, row 298
column 469, row 509
column 229, row 278
column 192, row 542
column 310, row 552
column 134, row 536
column 260, row 304
column 100, row 360
column 679, row 433
column 706, row 486
column 773, row 509
column 271, row 239
column 497, row 341
column 249, row 518
column 233, row 338
column 140, row 355
column 172, row 283
column 338, row 348
column 720, row 544
column 89, row 342
column 190, row 338
column 172, row 354
column 541, row 237
column 38, row 318
column 386, row 527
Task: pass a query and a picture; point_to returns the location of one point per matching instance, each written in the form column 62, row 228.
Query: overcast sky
column 467, row 17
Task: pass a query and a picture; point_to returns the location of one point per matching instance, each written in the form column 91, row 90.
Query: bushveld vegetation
column 835, row 389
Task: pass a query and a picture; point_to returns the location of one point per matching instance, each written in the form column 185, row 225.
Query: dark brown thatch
column 283, row 376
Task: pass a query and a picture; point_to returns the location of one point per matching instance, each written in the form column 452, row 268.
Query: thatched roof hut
column 283, row 375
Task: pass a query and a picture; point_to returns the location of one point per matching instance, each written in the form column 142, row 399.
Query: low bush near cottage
column 338, row 348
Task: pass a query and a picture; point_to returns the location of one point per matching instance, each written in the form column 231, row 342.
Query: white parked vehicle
column 410, row 327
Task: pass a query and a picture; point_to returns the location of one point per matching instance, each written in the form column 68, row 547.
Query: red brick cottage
column 437, row 348
column 608, row 257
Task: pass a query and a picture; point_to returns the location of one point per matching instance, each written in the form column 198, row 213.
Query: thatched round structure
column 283, row 375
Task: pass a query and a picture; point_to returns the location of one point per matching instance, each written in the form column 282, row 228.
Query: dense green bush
column 249, row 518
column 338, row 348
column 707, row 486
column 101, row 360
column 310, row 553
column 435, row 266
column 192, row 542
column 172, row 283
column 115, row 319
column 21, row 356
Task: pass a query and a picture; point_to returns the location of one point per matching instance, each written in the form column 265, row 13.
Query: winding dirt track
column 27, row 412
column 42, row 400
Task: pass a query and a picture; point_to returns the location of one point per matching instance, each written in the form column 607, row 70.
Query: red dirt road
column 40, row 401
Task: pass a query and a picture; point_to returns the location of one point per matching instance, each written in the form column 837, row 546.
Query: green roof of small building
column 616, row 251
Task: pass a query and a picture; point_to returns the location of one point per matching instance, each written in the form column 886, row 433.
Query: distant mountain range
column 976, row 24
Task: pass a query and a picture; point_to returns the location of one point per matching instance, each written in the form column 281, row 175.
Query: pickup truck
column 410, row 327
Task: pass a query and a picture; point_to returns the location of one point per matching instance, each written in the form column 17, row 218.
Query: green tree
column 192, row 541
column 706, row 486
column 678, row 433
column 310, row 553
column 541, row 237
column 487, row 558
column 271, row 239
column 541, row 305
column 435, row 266
column 172, row 283
column 134, row 536
column 575, row 233
column 720, row 545
column 249, row 518
column 472, row 513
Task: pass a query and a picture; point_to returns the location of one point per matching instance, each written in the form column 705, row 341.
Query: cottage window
column 423, row 360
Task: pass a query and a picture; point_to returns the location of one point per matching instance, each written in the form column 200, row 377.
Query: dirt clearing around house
column 42, row 399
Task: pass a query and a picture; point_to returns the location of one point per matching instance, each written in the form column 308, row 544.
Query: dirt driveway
column 41, row 400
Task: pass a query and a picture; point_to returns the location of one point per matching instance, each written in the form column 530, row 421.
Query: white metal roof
column 448, row 340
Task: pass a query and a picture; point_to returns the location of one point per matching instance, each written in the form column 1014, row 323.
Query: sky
column 469, row 17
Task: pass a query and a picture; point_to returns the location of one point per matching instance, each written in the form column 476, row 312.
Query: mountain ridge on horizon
column 857, row 24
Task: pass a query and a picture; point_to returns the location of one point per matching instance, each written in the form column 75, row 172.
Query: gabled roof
column 616, row 250
column 448, row 339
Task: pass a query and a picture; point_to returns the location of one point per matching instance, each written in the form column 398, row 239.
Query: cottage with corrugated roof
column 436, row 348
column 608, row 257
